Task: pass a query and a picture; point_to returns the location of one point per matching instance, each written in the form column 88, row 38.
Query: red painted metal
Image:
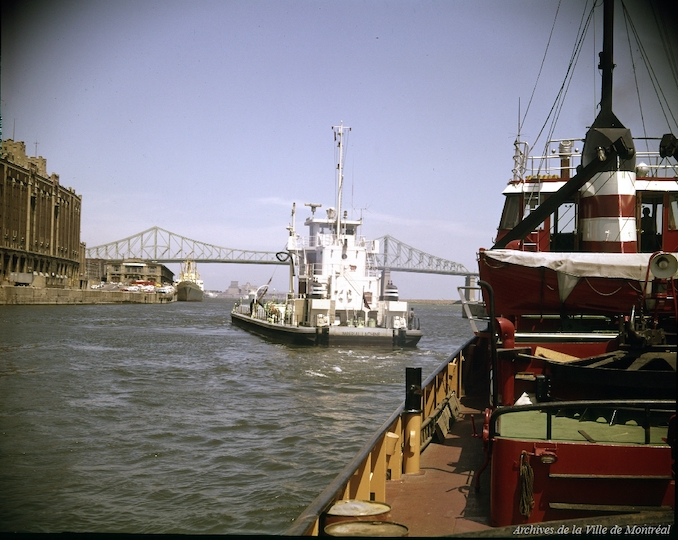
column 506, row 333
column 578, row 459
column 608, row 206
column 521, row 290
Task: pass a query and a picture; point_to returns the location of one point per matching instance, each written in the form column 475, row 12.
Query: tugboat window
column 673, row 211
column 511, row 214
column 651, row 224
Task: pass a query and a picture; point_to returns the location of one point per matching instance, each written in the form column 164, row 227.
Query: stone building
column 235, row 290
column 39, row 224
column 136, row 270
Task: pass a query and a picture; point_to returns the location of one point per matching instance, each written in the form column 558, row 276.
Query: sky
column 210, row 118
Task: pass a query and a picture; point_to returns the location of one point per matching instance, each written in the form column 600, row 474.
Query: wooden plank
column 556, row 356
column 586, row 436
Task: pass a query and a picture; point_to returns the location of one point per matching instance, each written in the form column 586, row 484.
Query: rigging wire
column 628, row 23
column 661, row 97
column 541, row 67
column 557, row 106
column 551, row 120
column 661, row 23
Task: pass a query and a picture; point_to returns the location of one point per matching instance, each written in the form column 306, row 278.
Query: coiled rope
column 526, row 485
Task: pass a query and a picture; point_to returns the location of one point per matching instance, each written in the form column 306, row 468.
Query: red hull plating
column 536, row 292
column 584, row 474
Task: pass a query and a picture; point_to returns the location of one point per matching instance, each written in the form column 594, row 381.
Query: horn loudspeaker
column 663, row 266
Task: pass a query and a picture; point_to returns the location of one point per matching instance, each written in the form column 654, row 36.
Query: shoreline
column 11, row 295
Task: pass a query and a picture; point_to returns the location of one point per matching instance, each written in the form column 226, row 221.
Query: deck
column 441, row 499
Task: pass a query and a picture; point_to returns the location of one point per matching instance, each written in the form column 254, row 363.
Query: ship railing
column 382, row 458
column 307, row 270
column 241, row 307
column 562, row 155
column 326, row 240
column 642, row 421
column 319, row 239
column 652, row 165
column 372, row 269
column 256, row 311
column 304, row 270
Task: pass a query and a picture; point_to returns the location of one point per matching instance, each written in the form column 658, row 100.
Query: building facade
column 39, row 224
column 138, row 271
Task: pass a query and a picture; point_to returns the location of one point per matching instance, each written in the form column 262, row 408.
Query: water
column 166, row 419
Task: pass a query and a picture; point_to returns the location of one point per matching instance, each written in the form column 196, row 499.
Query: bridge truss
column 398, row 256
column 163, row 246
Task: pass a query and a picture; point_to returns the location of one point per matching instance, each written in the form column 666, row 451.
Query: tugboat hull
column 302, row 335
column 327, row 335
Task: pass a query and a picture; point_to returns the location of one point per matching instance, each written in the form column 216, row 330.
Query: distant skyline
column 210, row 118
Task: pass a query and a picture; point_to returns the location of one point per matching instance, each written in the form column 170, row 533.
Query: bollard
column 412, row 421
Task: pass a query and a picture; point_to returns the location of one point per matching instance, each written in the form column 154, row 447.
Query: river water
column 167, row 419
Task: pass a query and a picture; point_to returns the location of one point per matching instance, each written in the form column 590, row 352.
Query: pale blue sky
column 209, row 118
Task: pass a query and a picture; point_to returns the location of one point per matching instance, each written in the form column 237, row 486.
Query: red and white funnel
column 607, row 206
column 607, row 209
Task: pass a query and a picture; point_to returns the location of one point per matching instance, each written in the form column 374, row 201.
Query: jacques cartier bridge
column 160, row 245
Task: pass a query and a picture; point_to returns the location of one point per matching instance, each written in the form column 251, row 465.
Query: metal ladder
column 474, row 310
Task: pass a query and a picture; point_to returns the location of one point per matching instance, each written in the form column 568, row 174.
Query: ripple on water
column 166, row 419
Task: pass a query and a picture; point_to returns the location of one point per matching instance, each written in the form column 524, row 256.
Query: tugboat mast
column 339, row 131
column 606, row 64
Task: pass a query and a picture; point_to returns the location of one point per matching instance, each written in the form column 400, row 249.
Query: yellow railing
column 382, row 457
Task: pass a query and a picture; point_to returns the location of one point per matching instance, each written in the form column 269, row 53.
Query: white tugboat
column 342, row 298
column 190, row 287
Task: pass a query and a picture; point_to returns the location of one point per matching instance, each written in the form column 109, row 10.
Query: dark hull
column 187, row 291
column 297, row 336
column 651, row 375
column 328, row 335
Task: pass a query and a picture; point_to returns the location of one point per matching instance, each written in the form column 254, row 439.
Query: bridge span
column 163, row 246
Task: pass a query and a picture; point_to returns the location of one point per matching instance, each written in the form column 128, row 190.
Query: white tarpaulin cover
column 612, row 265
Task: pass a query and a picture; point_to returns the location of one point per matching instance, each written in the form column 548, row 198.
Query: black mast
column 607, row 128
column 606, row 64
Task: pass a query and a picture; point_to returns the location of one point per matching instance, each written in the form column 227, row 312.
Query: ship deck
column 441, row 499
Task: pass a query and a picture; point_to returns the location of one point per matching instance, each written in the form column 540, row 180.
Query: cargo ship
column 559, row 416
column 189, row 287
